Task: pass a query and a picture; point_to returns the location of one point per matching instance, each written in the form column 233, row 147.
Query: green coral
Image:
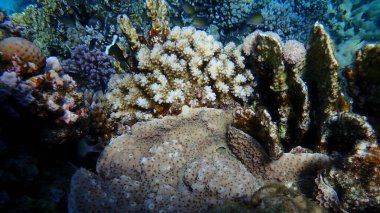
column 43, row 25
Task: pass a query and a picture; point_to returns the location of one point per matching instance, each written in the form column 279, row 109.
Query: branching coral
column 92, row 67
column 189, row 68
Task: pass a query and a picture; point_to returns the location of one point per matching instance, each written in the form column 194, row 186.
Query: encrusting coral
column 163, row 166
column 251, row 154
column 178, row 163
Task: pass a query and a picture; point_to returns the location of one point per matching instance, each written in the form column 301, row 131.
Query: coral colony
column 197, row 106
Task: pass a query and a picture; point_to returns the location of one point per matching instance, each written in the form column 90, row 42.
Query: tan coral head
column 21, row 53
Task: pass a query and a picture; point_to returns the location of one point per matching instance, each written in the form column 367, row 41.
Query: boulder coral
column 23, row 54
column 180, row 163
column 171, row 164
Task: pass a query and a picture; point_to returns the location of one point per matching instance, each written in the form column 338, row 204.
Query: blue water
column 12, row 6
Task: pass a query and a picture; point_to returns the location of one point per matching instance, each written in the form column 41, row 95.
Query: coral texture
column 357, row 180
column 364, row 86
column 16, row 51
column 189, row 68
column 92, row 68
column 49, row 94
column 292, row 19
column 290, row 166
column 171, row 164
column 283, row 95
column 224, row 14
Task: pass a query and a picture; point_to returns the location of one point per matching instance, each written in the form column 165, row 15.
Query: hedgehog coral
column 92, row 67
column 23, row 54
column 189, row 68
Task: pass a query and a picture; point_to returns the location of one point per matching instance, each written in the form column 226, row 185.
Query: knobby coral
column 22, row 55
column 92, row 68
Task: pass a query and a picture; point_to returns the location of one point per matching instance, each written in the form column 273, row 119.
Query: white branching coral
column 189, row 68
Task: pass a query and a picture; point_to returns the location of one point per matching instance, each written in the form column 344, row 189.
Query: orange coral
column 23, row 54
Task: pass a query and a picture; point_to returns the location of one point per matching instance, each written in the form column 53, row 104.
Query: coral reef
column 189, row 68
column 356, row 178
column 58, row 26
column 49, row 93
column 7, row 27
column 353, row 24
column 91, row 68
column 364, row 83
column 178, row 163
column 224, row 14
column 320, row 114
column 280, row 132
column 162, row 165
column 292, row 19
column 22, row 54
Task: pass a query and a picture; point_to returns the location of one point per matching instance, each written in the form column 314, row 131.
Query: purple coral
column 91, row 67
